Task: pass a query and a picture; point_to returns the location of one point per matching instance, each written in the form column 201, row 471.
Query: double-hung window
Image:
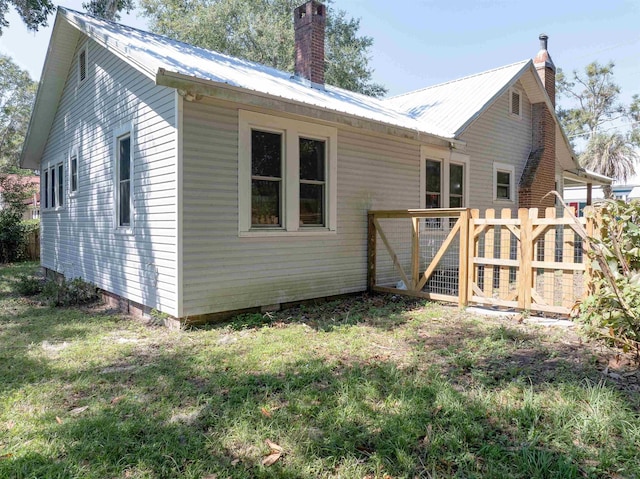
column 123, row 177
column 444, row 179
column 53, row 186
column 503, row 182
column 286, row 176
column 73, row 172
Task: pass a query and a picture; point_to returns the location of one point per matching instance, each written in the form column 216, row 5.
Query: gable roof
column 440, row 112
column 452, row 106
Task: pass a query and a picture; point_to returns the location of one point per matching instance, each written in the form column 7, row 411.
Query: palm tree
column 612, row 155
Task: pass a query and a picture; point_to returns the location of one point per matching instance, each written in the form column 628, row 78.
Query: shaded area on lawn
column 438, row 394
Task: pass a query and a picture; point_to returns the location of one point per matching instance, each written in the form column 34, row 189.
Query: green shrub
column 29, row 285
column 67, row 293
column 613, row 311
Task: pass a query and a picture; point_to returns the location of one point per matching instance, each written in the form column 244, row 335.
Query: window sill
column 501, row 201
column 313, row 232
column 57, row 209
column 123, row 231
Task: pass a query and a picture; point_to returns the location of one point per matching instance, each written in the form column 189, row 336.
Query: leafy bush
column 613, row 310
column 29, row 285
column 15, row 190
column 66, row 293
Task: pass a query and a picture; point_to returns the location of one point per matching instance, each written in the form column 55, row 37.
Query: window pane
column 125, row 205
column 46, row 189
column 311, row 204
column 455, row 202
column 266, row 154
column 60, row 185
column 125, row 158
column 312, row 159
column 455, row 180
column 504, row 178
column 433, row 201
column 74, row 173
column 433, row 176
column 503, row 192
column 265, row 202
column 53, row 187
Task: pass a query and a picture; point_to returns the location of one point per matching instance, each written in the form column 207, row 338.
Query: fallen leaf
column 6, row 456
column 78, row 410
column 10, row 425
column 58, row 420
column 271, row 459
column 265, row 412
column 274, row 446
column 116, row 400
column 235, row 462
column 210, row 476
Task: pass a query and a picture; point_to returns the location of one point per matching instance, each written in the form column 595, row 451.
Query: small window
column 503, row 182
column 52, row 187
column 515, row 103
column 433, row 184
column 312, row 182
column 82, row 65
column 73, row 173
column 266, row 178
column 60, row 186
column 45, row 189
column 124, row 181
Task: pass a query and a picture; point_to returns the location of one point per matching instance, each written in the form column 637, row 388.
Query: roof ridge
column 521, row 62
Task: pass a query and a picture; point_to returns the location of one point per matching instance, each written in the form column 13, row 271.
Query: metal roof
column 450, row 107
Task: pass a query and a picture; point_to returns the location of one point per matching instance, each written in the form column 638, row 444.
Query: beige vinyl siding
column 80, row 240
column 225, row 272
column 497, row 136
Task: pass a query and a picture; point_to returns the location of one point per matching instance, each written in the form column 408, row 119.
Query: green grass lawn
column 369, row 387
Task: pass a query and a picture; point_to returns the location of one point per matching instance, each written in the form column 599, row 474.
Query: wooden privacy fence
column 32, row 245
column 523, row 262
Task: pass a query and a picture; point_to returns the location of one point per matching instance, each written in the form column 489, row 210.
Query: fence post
column 471, row 251
column 371, row 252
column 415, row 253
column 590, row 216
column 526, row 259
column 463, row 274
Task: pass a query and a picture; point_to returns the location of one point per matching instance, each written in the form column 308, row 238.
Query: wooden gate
column 456, row 255
column 421, row 253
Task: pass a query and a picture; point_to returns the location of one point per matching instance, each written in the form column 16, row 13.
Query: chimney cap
column 543, row 59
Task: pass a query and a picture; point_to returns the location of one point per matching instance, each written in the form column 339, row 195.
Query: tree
column 596, row 108
column 262, row 31
column 14, row 190
column 610, row 154
column 34, row 13
column 108, row 9
column 17, row 93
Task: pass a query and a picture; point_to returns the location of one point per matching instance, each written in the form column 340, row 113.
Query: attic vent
column 82, row 65
column 515, row 103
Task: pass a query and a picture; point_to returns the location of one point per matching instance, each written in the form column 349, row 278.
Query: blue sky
column 424, row 42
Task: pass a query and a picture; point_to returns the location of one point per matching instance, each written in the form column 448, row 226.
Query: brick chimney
column 309, row 21
column 539, row 175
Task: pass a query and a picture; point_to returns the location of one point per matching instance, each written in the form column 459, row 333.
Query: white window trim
column 291, row 130
column 73, row 152
column 118, row 132
column 511, row 92
column 85, row 49
column 506, row 168
column 446, row 157
column 46, row 190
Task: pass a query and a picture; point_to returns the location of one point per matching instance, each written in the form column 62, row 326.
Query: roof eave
column 224, row 91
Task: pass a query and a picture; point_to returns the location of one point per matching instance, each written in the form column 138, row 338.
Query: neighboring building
column 33, row 202
column 576, row 196
column 192, row 182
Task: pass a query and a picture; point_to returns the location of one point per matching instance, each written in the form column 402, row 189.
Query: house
column 190, row 182
column 578, row 197
column 33, row 202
